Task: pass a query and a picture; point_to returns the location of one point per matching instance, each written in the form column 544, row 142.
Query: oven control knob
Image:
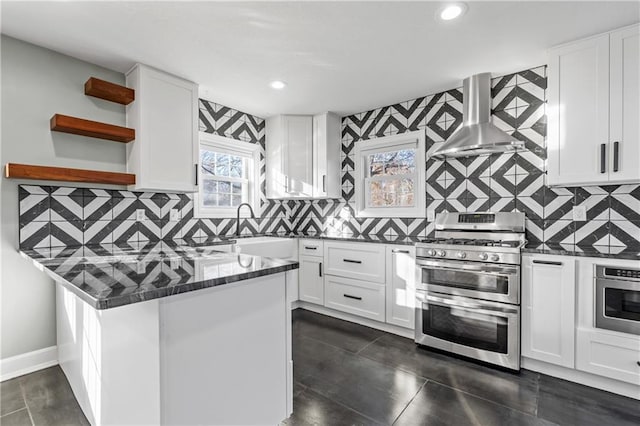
column 484, row 256
column 495, row 257
column 442, row 253
column 431, row 252
column 462, row 254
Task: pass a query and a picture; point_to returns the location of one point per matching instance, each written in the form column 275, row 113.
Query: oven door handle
column 470, row 268
column 468, row 306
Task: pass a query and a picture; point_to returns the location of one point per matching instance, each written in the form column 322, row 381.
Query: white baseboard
column 389, row 328
column 582, row 377
column 29, row 362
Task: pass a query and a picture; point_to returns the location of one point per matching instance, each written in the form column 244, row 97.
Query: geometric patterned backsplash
column 59, row 216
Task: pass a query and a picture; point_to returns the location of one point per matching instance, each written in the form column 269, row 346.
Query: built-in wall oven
column 468, row 287
column 617, row 301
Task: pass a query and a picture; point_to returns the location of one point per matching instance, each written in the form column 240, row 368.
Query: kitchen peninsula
column 165, row 333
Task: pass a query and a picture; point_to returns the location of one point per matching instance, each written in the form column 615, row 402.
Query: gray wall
column 37, row 83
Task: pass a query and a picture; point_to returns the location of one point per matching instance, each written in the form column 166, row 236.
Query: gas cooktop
column 472, row 242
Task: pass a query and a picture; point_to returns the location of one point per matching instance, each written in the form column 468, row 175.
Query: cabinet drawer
column 363, row 261
column 609, row 354
column 355, row 297
column 311, row 248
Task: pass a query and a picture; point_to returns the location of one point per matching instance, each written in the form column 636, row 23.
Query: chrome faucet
column 253, row 216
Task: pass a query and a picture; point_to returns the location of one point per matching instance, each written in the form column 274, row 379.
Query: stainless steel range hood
column 477, row 135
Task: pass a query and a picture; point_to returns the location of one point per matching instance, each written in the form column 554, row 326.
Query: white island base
column 217, row 356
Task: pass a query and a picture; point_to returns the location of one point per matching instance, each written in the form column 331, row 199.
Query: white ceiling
column 335, row 56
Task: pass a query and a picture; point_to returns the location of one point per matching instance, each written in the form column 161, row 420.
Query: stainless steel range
column 468, row 286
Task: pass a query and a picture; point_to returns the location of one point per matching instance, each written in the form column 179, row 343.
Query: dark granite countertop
column 110, row 275
column 400, row 240
column 622, row 253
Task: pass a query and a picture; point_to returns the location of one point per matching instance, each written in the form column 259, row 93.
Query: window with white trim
column 390, row 176
column 228, row 175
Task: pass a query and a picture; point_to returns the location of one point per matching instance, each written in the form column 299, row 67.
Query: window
column 228, row 176
column 389, row 176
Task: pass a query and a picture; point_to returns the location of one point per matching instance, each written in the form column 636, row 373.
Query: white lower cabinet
column 548, row 308
column 611, row 355
column 310, row 280
column 370, row 280
column 362, row 261
column 400, row 288
column 356, row 297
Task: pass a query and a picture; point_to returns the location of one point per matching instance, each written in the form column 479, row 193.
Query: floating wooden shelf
column 24, row 171
column 109, row 91
column 94, row 129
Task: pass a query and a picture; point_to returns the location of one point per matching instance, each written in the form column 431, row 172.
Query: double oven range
column 468, row 286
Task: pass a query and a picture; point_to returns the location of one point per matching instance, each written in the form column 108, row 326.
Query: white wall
column 37, row 83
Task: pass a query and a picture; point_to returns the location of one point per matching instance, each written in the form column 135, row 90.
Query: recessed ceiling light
column 452, row 11
column 278, row 85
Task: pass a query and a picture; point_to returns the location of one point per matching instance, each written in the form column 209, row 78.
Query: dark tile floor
column 347, row 374
column 40, row 398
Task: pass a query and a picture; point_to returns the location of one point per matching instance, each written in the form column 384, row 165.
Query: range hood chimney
column 477, row 135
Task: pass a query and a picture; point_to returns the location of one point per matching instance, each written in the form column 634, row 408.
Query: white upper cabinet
column 165, row 116
column 593, row 110
column 625, row 105
column 303, row 156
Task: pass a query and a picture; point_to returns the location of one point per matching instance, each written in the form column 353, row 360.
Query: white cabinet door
column 401, row 295
column 165, row 116
column 310, row 280
column 624, row 146
column 326, row 156
column 548, row 309
column 578, row 112
column 298, row 159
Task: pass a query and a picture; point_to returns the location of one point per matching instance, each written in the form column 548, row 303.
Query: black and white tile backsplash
column 52, row 216
column 58, row 216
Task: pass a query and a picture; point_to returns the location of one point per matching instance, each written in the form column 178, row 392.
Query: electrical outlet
column 174, row 215
column 579, row 213
column 431, row 215
column 140, row 215
column 141, row 267
column 175, row 263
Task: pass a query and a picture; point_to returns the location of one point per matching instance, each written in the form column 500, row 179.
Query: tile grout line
column 342, row 404
column 413, row 373
column 14, row 411
column 26, row 404
column 410, row 401
column 369, row 344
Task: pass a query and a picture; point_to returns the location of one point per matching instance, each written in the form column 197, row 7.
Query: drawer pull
column 320, row 269
column 400, row 251
column 348, row 296
column 310, row 248
column 351, row 261
column 547, row 262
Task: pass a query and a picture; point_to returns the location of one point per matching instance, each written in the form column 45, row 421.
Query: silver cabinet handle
column 351, row 261
column 400, row 251
column 547, row 262
column 616, row 159
column 603, row 158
